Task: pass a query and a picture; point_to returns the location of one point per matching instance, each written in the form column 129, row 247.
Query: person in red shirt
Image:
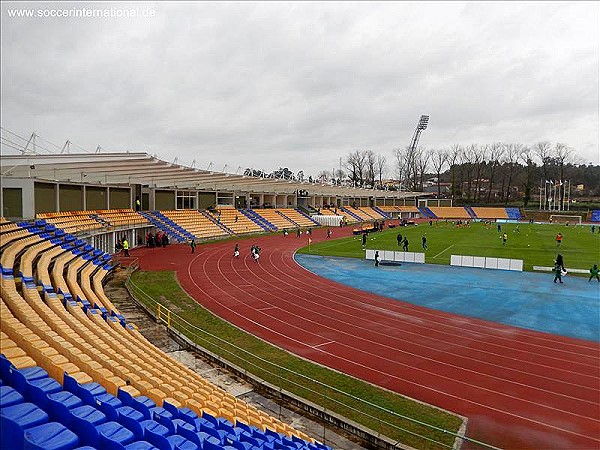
column 559, row 237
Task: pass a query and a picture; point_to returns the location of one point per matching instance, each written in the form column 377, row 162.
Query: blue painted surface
column 522, row 299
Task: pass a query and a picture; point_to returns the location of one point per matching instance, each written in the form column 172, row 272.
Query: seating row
column 39, row 413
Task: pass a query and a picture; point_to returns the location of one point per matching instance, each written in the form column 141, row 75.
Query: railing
column 333, row 403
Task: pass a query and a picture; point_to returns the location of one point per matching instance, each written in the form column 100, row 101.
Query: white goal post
column 562, row 219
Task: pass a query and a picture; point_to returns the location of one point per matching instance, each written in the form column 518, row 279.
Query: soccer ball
column 527, row 245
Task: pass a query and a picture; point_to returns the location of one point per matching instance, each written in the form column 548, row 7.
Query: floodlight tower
column 422, row 125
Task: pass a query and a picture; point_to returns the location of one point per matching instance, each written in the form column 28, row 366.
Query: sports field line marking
column 324, row 343
column 444, row 250
column 265, row 308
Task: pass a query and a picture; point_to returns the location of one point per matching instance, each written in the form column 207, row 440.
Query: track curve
column 520, row 389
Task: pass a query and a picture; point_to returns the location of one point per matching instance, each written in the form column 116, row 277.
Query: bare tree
column 453, row 159
column 323, row 176
column 370, row 161
column 401, row 166
column 543, row 150
column 439, row 159
column 380, row 166
column 424, row 157
column 340, row 176
column 511, row 155
column 496, row 151
column 563, row 155
column 355, row 164
column 526, row 158
column 467, row 159
column 479, row 158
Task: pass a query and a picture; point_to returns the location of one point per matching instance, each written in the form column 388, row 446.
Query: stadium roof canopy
column 145, row 169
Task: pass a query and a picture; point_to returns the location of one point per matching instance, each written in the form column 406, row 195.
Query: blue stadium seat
column 210, row 418
column 85, row 420
column 20, row 378
column 86, row 392
column 244, row 427
column 140, row 445
column 38, row 390
column 167, row 421
column 156, row 434
column 9, row 396
column 249, row 439
column 241, row 445
column 50, row 436
column 270, row 435
column 190, row 432
column 109, row 404
column 210, row 429
column 114, row 436
column 188, row 415
column 144, row 405
column 14, row 420
column 208, row 445
column 179, row 443
column 59, row 405
column 132, row 418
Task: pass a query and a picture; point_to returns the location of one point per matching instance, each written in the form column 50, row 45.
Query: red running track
column 520, row 389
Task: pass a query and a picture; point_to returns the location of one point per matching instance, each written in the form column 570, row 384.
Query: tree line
column 480, row 173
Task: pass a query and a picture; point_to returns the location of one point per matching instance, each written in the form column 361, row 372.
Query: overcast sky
column 298, row 85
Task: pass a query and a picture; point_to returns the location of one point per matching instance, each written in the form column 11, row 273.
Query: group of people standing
column 560, row 271
column 160, row 239
column 403, row 241
column 254, row 252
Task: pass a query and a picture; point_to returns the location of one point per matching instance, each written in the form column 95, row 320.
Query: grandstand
column 340, row 212
column 450, row 212
column 358, row 214
column 273, row 217
column 300, row 219
column 72, row 221
column 76, row 373
column 196, row 223
column 372, row 212
column 235, row 221
column 490, row 213
column 120, row 217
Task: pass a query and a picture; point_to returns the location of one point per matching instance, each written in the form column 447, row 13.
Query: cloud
column 301, row 84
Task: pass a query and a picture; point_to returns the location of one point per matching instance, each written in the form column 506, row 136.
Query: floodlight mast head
column 422, row 125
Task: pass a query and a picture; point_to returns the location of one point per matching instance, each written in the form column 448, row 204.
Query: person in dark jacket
column 560, row 261
column 594, row 273
column 557, row 273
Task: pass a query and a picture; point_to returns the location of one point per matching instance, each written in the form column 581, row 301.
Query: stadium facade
column 35, row 183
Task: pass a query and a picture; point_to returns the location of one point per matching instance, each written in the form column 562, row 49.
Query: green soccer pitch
column 533, row 243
